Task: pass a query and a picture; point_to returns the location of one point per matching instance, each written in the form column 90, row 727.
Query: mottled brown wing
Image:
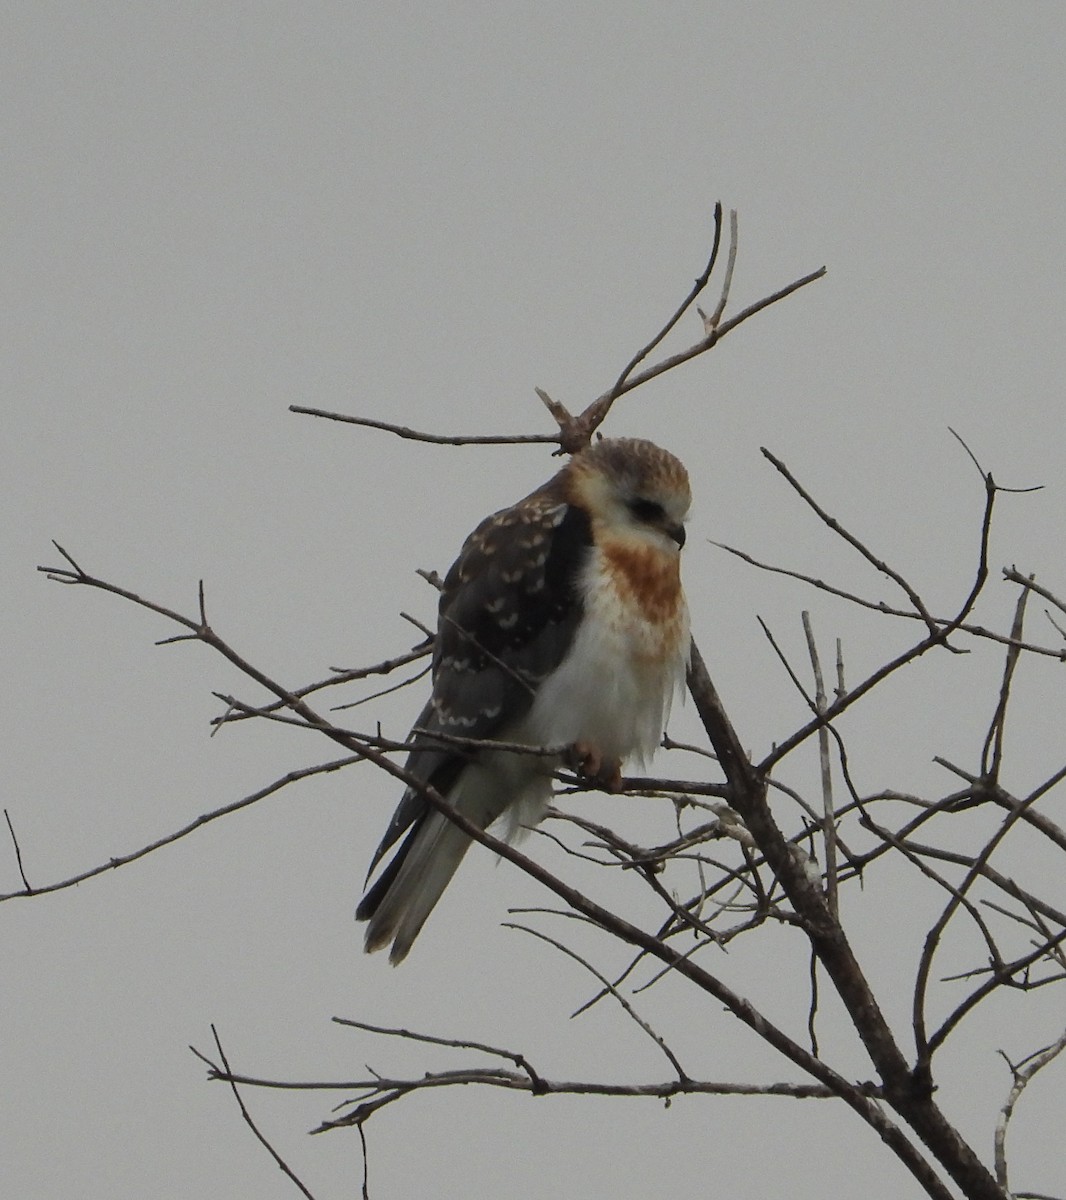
column 508, row 610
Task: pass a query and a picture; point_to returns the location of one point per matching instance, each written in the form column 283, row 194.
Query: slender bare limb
column 123, row 860
column 852, row 540
column 366, row 1162
column 685, row 305
column 1022, row 1074
column 879, row 606
column 225, row 1074
column 1038, row 820
column 829, row 829
column 712, row 339
column 711, row 322
column 429, row 1039
column 341, row 675
column 1018, row 491
column 627, row 1008
column 1028, row 582
column 928, row 1046
column 992, row 753
column 437, row 439
column 387, row 691
column 18, row 853
column 997, row 979
column 517, row 1081
column 575, row 432
column 936, row 637
column 908, row 1094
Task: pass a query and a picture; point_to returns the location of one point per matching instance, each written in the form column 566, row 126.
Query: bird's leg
column 587, row 760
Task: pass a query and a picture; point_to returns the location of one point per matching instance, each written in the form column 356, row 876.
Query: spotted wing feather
column 508, row 610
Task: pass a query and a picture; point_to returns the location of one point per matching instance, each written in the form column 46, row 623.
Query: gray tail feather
column 400, row 901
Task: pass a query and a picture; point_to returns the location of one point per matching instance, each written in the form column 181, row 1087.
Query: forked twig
column 575, row 432
column 226, row 1074
column 628, row 1008
column 429, row 1039
column 852, row 540
column 1022, row 1074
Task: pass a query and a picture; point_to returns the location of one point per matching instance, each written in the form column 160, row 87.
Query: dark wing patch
column 508, row 610
column 507, row 614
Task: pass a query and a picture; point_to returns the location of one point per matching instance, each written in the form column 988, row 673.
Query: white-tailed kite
column 562, row 622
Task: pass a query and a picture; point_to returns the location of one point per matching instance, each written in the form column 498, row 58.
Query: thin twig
column 992, row 752
column 1017, row 491
column 998, row 978
column 711, row 323
column 366, row 1161
column 829, row 829
column 712, row 339
column 390, row 1089
column 282, row 1165
column 437, row 439
column 396, row 687
column 628, row 1008
column 1027, row 581
column 937, row 637
column 1022, row 1074
column 683, row 307
column 18, row 854
column 429, row 1039
column 852, row 540
column 879, row 606
column 124, row 859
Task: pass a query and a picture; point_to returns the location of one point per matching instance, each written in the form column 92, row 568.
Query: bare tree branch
column 575, row 432
column 686, row 304
column 936, row 637
column 225, row 810
column 1022, row 1074
column 992, row 753
column 747, row 863
column 879, row 606
column 1028, row 582
column 852, row 540
column 628, row 1008
column 908, row 1094
column 282, row 1165
column 18, row 852
column 436, row 439
column 829, row 829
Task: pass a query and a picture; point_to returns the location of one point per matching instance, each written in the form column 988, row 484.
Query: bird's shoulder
column 515, row 579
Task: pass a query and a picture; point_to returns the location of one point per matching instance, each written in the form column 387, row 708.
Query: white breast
column 614, row 688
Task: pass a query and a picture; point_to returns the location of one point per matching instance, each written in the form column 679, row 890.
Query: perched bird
column 562, row 623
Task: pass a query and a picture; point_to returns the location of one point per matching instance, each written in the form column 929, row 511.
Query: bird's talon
column 587, row 761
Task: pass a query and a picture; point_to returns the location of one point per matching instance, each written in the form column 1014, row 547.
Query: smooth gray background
column 417, row 213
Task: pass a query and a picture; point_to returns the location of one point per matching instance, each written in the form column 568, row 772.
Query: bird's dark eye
column 647, row 511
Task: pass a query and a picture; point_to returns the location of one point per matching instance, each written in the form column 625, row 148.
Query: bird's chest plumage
column 613, row 689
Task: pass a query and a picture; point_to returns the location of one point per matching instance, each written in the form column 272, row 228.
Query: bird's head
column 631, row 488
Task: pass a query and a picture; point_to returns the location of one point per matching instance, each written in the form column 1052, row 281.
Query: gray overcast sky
column 417, row 213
